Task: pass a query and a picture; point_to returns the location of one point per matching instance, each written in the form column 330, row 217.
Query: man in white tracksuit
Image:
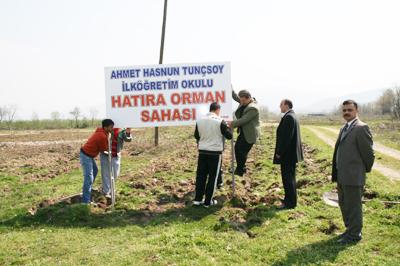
column 211, row 131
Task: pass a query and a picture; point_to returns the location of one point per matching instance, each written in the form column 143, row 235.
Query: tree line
column 76, row 119
column 388, row 105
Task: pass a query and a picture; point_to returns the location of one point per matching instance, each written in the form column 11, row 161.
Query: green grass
column 253, row 234
column 388, row 138
column 386, row 132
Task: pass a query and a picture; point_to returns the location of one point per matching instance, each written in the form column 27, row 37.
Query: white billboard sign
column 166, row 95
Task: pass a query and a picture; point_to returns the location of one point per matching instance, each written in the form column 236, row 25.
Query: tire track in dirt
column 389, row 172
column 377, row 146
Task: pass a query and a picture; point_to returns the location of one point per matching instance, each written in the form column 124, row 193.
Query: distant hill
column 327, row 105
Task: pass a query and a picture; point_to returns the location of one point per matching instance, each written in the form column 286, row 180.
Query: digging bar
column 112, row 180
column 233, row 166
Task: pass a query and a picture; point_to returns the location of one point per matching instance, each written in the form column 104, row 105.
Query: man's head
column 349, row 110
column 286, row 105
column 215, row 108
column 107, row 125
column 245, row 97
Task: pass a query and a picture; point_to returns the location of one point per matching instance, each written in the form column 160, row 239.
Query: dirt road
column 389, row 172
column 377, row 146
column 40, row 143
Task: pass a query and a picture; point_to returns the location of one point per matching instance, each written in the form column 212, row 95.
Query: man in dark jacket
column 248, row 123
column 211, row 131
column 353, row 157
column 288, row 152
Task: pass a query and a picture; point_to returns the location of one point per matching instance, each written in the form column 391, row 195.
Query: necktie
column 344, row 131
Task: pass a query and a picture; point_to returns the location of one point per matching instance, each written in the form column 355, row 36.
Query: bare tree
column 76, row 113
column 336, row 111
column 93, row 114
column 55, row 115
column 386, row 102
column 2, row 113
column 10, row 111
column 264, row 113
column 35, row 116
column 396, row 103
column 369, row 109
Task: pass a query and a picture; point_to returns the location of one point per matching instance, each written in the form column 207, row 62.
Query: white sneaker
column 92, row 203
column 212, row 202
column 197, row 202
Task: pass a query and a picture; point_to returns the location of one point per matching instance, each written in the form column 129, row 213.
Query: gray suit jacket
column 353, row 156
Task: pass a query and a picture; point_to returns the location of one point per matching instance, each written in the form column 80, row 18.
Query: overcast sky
column 53, row 53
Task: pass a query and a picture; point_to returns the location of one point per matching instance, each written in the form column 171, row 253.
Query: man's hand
column 277, row 156
column 229, row 124
column 128, row 130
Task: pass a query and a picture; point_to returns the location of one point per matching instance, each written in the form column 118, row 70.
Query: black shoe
column 284, row 207
column 281, row 207
column 342, row 235
column 239, row 173
column 349, row 240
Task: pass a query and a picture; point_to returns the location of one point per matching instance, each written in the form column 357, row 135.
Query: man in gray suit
column 353, row 157
column 248, row 123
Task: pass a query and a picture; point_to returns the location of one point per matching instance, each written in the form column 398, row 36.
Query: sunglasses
column 347, row 110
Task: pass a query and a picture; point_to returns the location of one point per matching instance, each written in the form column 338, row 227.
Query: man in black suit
column 288, row 152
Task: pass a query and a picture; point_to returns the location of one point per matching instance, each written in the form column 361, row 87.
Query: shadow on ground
column 318, row 253
column 243, row 219
column 63, row 214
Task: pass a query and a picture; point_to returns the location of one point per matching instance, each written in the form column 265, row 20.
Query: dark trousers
column 208, row 167
column 288, row 172
column 351, row 207
column 242, row 148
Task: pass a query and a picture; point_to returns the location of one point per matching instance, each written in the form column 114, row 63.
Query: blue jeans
column 90, row 171
column 105, row 171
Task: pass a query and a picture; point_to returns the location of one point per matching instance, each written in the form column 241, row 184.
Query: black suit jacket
column 288, row 140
